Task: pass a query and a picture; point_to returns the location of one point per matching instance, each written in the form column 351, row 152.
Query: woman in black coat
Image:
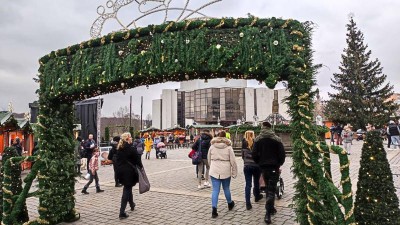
column 128, row 161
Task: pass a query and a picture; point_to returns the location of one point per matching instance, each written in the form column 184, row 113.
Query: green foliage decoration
column 107, row 134
column 11, row 186
column 376, row 200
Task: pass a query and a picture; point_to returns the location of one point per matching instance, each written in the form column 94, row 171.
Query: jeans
column 127, row 196
column 252, row 173
column 95, row 177
column 200, row 170
column 389, row 138
column 216, row 187
column 271, row 177
column 395, row 141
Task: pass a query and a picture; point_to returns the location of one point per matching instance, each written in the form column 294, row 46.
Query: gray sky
column 31, row 29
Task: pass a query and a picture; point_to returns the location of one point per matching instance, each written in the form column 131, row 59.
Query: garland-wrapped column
column 56, row 175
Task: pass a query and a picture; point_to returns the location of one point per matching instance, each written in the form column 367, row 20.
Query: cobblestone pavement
column 175, row 199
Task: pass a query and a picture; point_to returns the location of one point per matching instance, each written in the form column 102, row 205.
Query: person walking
column 112, row 156
column 17, row 145
column 333, row 131
column 138, row 145
column 339, row 130
column 251, row 170
column 269, row 154
column 222, row 162
column 128, row 163
column 93, row 168
column 203, row 144
column 89, row 146
column 148, row 143
column 394, row 131
column 347, row 136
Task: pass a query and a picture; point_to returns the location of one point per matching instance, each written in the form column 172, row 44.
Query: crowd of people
column 344, row 135
column 262, row 155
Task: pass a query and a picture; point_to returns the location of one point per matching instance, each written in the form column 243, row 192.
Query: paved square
column 175, row 199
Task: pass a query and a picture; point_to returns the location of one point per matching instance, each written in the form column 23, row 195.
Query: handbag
column 144, row 184
column 197, row 156
column 191, row 153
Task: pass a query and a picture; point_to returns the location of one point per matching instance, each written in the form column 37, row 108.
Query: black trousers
column 271, row 177
column 127, row 196
column 115, row 174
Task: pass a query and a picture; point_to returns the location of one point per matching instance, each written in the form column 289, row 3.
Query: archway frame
column 268, row 50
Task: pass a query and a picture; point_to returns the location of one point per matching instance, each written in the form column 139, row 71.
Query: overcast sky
column 31, row 29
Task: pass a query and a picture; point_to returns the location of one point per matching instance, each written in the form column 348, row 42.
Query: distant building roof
column 206, row 126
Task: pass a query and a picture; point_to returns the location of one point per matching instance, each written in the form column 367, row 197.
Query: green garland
column 249, row 48
column 268, row 50
column 279, row 128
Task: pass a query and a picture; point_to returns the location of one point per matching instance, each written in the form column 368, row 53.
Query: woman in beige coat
column 222, row 161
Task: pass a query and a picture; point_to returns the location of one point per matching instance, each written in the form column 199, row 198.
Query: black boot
column 133, row 206
column 214, row 213
column 231, row 205
column 258, row 198
column 84, row 191
column 267, row 218
column 249, row 206
column 123, row 216
column 98, row 190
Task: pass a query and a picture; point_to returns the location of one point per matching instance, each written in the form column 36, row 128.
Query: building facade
column 215, row 102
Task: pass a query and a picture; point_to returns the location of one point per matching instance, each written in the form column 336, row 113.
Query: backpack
column 197, row 157
column 139, row 148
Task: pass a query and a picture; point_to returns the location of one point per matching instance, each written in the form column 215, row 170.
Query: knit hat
column 391, row 122
column 116, row 138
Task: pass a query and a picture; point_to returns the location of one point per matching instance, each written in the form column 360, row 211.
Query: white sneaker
column 207, row 184
column 200, row 186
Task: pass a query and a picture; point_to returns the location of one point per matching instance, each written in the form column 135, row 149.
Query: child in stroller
column 161, row 150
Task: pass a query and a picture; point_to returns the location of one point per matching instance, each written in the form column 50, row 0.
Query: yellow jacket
column 148, row 143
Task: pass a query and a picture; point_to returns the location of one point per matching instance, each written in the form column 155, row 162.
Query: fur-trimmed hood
column 221, row 142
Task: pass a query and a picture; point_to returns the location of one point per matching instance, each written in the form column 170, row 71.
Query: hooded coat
column 221, row 159
column 204, row 143
column 268, row 151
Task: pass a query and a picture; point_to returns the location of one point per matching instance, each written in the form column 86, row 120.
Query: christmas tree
column 376, row 199
column 362, row 91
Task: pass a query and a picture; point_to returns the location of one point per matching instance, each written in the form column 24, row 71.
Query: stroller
column 161, row 150
column 280, row 186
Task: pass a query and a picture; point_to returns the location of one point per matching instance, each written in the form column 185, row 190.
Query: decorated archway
column 268, row 50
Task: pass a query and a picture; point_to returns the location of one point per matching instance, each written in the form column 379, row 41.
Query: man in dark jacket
column 17, row 144
column 269, row 154
column 203, row 144
column 112, row 155
column 89, row 146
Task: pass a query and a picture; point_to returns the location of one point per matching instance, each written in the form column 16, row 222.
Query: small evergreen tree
column 376, row 199
column 16, row 184
column 362, row 91
column 107, row 134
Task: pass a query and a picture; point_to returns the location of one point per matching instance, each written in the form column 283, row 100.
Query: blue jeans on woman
column 252, row 172
column 216, row 187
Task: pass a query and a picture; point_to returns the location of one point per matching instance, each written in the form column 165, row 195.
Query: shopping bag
column 144, row 184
